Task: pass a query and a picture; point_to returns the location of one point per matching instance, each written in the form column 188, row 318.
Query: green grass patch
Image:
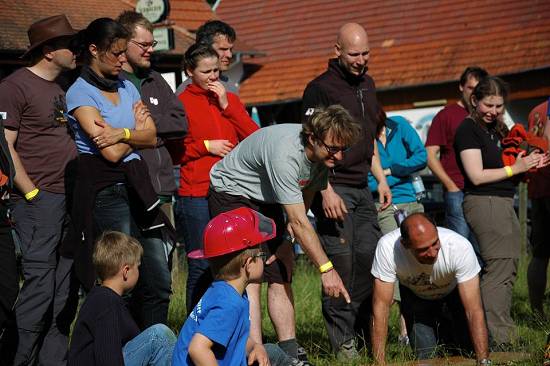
column 311, row 332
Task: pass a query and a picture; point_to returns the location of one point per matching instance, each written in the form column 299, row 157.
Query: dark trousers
column 350, row 246
column 43, row 314
column 9, row 285
column 280, row 271
column 435, row 322
column 151, row 296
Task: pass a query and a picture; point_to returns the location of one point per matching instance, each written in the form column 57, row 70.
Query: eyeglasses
column 261, row 255
column 145, row 46
column 333, row 150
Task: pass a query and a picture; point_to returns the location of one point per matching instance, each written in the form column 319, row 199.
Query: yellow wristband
column 326, row 267
column 207, row 145
column 126, row 134
column 30, row 195
column 509, row 171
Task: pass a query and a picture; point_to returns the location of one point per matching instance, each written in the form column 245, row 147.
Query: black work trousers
column 350, row 246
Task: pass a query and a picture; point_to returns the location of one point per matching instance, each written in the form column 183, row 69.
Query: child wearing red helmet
column 217, row 330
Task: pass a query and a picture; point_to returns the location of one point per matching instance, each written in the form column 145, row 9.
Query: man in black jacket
column 154, row 286
column 345, row 211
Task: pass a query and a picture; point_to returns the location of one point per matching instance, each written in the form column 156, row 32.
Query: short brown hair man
column 280, row 168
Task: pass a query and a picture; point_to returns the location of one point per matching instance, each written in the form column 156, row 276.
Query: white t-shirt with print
column 456, row 262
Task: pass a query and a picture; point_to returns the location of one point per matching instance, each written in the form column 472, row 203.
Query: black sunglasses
column 261, row 255
column 333, row 150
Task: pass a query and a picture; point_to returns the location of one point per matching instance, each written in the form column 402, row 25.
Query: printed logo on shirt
column 196, row 311
column 154, row 101
column 310, row 111
column 59, row 110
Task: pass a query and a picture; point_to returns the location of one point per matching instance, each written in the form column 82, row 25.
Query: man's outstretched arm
column 300, row 228
column 381, row 301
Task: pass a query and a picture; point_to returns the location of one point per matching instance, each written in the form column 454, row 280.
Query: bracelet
column 509, row 171
column 126, row 134
column 30, row 195
column 324, row 268
column 207, row 145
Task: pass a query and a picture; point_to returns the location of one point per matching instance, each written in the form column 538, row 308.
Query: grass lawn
column 311, row 331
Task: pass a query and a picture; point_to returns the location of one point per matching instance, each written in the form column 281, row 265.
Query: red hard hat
column 234, row 230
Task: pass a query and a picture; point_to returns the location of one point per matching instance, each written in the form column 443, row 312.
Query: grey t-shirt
column 269, row 166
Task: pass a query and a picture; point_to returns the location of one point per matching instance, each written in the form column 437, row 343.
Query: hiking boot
column 403, row 340
column 301, row 354
column 546, row 361
column 297, row 362
column 348, row 351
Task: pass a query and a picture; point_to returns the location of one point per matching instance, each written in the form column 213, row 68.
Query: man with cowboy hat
column 33, row 107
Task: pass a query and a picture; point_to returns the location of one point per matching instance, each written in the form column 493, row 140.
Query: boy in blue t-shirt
column 217, row 330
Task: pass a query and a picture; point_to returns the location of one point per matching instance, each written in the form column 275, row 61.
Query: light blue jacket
column 404, row 154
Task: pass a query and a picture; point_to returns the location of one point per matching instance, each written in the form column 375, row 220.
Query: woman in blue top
column 107, row 115
column 110, row 122
column 401, row 155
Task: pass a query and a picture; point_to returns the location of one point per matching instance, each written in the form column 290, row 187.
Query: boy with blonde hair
column 217, row 330
column 105, row 332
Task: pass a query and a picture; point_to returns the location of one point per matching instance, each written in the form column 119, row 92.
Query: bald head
column 351, row 33
column 419, row 234
column 352, row 48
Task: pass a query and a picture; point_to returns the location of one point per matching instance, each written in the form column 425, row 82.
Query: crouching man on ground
column 438, row 277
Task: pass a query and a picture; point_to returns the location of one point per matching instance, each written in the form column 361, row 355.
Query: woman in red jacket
column 217, row 122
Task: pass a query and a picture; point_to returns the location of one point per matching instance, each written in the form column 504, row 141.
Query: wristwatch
column 485, row 361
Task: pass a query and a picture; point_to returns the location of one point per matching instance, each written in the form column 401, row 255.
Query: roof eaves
column 441, row 82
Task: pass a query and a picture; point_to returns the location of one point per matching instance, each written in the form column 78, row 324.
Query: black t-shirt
column 470, row 135
column 103, row 327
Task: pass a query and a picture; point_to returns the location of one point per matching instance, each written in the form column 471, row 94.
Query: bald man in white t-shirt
column 438, row 274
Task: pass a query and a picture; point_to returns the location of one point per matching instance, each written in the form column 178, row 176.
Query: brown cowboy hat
column 47, row 29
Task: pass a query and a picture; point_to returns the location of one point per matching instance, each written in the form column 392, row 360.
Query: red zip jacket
column 207, row 121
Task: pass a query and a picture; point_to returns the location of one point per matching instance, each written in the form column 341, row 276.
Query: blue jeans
column 435, row 322
column 192, row 216
column 153, row 346
column 457, row 222
column 151, row 296
column 112, row 210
